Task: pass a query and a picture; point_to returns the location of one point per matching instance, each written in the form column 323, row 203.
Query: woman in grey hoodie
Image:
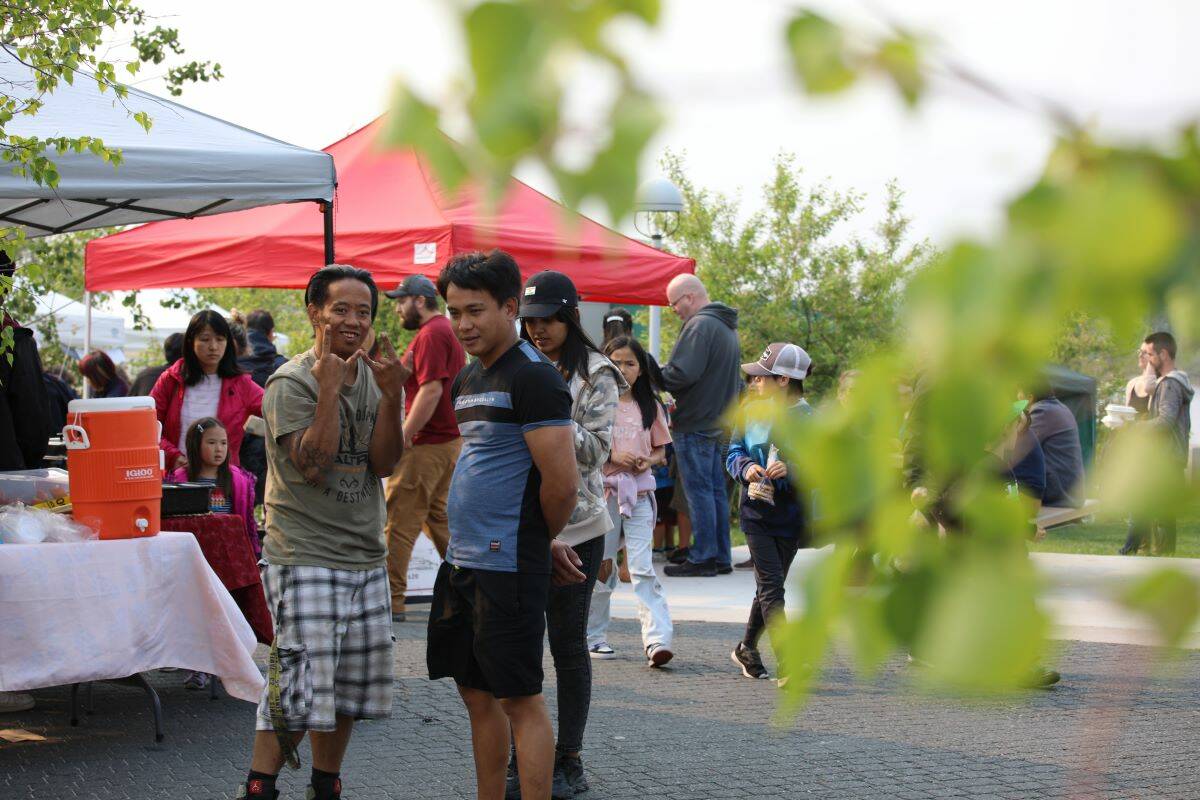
column 550, row 319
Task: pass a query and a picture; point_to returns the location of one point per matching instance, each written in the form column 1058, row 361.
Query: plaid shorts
column 333, row 630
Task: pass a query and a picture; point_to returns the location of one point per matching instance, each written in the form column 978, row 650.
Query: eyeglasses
column 677, row 300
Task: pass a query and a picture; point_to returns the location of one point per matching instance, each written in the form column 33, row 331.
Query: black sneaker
column 512, row 781
column 724, row 569
column 569, row 779
column 689, row 569
column 750, row 662
column 243, row 793
column 678, row 555
column 334, row 794
column 1042, row 678
column 747, row 564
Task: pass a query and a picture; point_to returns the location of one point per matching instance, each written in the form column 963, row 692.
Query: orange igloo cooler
column 115, row 465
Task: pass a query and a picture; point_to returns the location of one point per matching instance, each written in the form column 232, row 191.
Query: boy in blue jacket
column 772, row 514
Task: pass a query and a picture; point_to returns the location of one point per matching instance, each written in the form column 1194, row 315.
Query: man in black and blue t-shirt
column 513, row 490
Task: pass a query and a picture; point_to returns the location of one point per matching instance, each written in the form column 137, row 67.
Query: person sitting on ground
column 772, row 514
column 1057, row 432
column 640, row 439
column 144, row 381
column 232, row 490
column 104, row 377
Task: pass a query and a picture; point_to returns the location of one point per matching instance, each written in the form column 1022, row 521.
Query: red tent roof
column 392, row 218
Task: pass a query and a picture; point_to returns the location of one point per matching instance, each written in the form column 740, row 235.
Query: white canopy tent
column 187, row 165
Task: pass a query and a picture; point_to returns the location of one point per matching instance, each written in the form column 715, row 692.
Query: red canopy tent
column 392, row 218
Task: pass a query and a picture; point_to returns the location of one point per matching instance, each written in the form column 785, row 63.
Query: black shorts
column 486, row 630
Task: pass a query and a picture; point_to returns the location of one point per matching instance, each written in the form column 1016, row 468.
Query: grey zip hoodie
column 593, row 412
column 702, row 374
column 1170, row 409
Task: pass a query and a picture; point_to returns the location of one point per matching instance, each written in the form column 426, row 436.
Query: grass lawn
column 1100, row 538
column 1106, row 537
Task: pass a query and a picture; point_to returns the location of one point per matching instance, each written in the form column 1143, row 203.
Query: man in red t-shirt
column 418, row 487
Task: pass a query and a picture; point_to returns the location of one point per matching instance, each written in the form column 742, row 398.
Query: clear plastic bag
column 20, row 524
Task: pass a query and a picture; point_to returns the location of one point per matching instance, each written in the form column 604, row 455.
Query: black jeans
column 1157, row 535
column 566, row 625
column 772, row 557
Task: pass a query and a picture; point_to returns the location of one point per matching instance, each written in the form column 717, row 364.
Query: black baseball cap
column 546, row 292
column 414, row 286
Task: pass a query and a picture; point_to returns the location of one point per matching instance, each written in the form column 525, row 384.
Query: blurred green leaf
column 900, row 58
column 413, row 123
column 1170, row 598
column 984, row 631
column 818, row 52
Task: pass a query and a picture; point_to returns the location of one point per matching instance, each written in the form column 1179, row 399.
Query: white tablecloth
column 71, row 613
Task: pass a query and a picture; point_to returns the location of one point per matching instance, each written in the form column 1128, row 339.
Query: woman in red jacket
column 206, row 382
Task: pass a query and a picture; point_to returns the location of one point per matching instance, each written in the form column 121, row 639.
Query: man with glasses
column 1170, row 414
column 703, row 377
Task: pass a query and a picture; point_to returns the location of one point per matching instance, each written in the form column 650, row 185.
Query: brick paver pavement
column 1117, row 727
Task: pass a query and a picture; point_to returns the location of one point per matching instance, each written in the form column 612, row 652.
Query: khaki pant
column 416, row 497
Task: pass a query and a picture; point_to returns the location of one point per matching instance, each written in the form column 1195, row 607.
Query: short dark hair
column 260, row 320
column 431, row 303
column 173, row 348
column 495, row 273
column 227, row 367
column 317, row 291
column 1160, row 341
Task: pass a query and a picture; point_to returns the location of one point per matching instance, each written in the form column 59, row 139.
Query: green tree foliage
column 521, row 56
column 62, row 43
column 1107, row 234
column 796, row 269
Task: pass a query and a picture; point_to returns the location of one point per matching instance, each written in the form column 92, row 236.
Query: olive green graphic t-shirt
column 337, row 523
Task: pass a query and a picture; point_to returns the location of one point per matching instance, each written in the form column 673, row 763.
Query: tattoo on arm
column 310, row 459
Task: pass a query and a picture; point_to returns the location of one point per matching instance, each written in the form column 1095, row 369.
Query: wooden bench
column 1055, row 516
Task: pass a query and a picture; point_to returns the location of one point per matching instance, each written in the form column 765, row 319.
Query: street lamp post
column 656, row 214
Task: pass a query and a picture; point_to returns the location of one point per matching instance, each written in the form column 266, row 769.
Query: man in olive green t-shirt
column 333, row 418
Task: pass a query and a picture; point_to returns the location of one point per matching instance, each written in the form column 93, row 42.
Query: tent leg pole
column 87, row 336
column 655, row 331
column 327, row 213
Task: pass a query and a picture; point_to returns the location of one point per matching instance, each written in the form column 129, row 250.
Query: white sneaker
column 601, row 651
column 658, row 655
column 13, row 702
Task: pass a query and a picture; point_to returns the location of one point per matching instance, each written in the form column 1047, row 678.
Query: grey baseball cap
column 414, row 286
column 781, row 358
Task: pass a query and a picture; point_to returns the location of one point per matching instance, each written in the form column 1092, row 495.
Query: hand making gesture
column 391, row 372
column 330, row 369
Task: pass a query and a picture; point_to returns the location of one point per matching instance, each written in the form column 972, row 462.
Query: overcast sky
column 310, row 73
